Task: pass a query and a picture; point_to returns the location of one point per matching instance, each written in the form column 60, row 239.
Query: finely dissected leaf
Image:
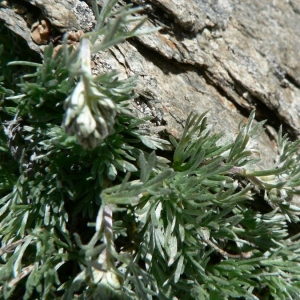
column 153, row 142
column 147, row 166
column 89, row 210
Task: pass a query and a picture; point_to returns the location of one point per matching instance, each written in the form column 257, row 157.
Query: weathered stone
column 18, row 25
column 66, row 15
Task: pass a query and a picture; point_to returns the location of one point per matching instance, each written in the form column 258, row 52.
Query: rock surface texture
column 225, row 56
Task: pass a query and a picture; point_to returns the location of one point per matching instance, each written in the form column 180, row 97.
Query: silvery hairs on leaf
column 90, row 115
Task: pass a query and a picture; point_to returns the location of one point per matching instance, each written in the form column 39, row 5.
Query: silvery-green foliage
column 88, row 210
column 198, row 231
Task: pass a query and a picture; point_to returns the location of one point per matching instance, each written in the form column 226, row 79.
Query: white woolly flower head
column 90, row 115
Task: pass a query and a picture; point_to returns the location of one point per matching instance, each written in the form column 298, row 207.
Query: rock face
column 228, row 57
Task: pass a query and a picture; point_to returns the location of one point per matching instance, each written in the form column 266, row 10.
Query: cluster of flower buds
column 90, row 115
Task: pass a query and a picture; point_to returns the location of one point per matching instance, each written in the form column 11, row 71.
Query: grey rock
column 66, row 15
